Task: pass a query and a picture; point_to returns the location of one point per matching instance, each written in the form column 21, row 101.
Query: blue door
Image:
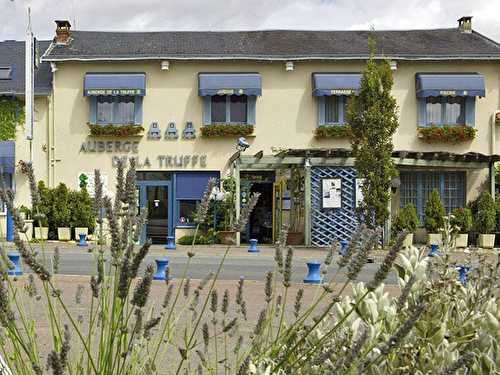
column 156, row 197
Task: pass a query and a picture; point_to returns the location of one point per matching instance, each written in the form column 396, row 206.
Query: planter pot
column 64, row 234
column 80, row 230
column 227, row 237
column 41, row 233
column 434, row 239
column 408, row 241
column 28, row 224
column 462, row 240
column 487, row 241
column 295, row 238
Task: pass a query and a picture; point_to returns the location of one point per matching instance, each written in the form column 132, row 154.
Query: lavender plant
column 432, row 323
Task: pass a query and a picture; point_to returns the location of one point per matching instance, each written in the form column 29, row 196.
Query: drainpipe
column 307, row 205
column 492, row 153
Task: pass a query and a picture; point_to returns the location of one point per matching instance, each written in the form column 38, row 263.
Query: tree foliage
column 373, row 118
column 486, row 214
column 11, row 113
column 434, row 212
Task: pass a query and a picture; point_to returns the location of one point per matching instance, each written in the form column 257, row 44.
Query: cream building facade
column 273, row 81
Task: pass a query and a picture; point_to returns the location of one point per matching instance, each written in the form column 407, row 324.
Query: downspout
column 492, row 153
column 52, row 132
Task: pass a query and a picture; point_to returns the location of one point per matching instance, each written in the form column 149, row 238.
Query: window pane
column 433, row 109
column 332, row 109
column 115, row 109
column 454, row 110
column 187, row 209
column 238, row 109
column 218, row 108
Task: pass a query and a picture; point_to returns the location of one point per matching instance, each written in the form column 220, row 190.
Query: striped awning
column 457, row 84
column 114, row 84
column 210, row 84
column 328, row 84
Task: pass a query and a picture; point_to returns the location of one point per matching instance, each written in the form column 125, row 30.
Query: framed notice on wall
column 331, row 192
column 359, row 191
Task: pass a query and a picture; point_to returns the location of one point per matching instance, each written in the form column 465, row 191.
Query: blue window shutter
column 207, row 110
column 341, row 104
column 470, row 110
column 421, row 112
column 251, row 100
column 138, row 110
column 321, row 110
column 93, row 109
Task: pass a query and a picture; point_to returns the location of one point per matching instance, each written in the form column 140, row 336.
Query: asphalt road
column 251, row 267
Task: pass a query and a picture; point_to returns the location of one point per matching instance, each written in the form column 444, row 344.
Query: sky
column 155, row 15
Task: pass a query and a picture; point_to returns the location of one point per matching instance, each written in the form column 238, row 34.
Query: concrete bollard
column 253, row 246
column 15, row 258
column 83, row 240
column 161, row 267
column 170, row 243
column 313, row 275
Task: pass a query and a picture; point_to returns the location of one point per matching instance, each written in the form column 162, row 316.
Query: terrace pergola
column 339, row 157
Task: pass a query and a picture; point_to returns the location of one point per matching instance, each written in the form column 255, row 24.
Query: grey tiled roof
column 12, row 54
column 275, row 44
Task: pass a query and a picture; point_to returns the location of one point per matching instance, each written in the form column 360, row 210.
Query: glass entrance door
column 155, row 198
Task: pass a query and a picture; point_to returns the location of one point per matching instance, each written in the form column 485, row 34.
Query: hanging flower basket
column 333, row 131
column 446, row 134
column 226, row 130
column 115, row 130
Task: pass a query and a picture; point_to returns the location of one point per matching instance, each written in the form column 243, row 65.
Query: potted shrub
column 61, row 212
column 28, row 221
column 406, row 219
column 433, row 222
column 81, row 212
column 295, row 234
column 486, row 220
column 227, row 235
column 462, row 218
column 42, row 212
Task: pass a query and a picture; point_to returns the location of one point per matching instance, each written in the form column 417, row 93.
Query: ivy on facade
column 373, row 119
column 11, row 113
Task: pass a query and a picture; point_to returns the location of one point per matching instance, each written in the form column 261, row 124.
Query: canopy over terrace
column 341, row 157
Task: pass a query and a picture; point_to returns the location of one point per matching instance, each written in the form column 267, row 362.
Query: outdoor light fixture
column 497, row 117
column 394, row 65
column 289, row 66
column 242, row 144
column 53, row 67
column 165, row 65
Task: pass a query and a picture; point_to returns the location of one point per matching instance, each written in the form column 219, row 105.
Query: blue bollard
column 313, row 276
column 83, row 240
column 9, row 236
column 15, row 259
column 343, row 247
column 170, row 243
column 161, row 266
column 462, row 273
column 434, row 250
column 253, row 246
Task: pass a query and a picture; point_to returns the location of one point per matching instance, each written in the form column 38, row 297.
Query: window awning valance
column 328, row 84
column 210, row 84
column 469, row 84
column 115, row 84
column 7, row 157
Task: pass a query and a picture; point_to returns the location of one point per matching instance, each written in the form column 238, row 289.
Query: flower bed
column 115, row 130
column 333, row 131
column 226, row 130
column 446, row 134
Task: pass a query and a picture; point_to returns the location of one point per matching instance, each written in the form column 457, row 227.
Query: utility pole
column 29, row 84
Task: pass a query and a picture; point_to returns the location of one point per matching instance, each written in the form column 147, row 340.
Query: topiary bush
column 486, row 214
column 434, row 213
column 462, row 218
column 406, row 219
column 82, row 214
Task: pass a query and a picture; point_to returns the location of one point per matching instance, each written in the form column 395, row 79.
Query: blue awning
column 7, row 157
column 470, row 84
column 328, row 84
column 210, row 84
column 192, row 185
column 115, row 84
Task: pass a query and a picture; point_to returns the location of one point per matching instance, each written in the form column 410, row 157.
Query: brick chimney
column 62, row 32
column 465, row 24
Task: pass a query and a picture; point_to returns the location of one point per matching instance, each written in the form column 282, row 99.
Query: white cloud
column 136, row 15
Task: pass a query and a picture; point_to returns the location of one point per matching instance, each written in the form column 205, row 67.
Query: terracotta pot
column 295, row 238
column 41, row 233
column 408, row 241
column 227, row 237
column 487, row 241
column 434, row 239
column 64, row 234
column 462, row 240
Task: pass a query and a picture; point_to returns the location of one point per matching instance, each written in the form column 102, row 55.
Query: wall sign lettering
column 110, row 146
column 165, row 161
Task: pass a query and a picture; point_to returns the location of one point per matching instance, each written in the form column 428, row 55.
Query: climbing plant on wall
column 373, row 119
column 11, row 113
